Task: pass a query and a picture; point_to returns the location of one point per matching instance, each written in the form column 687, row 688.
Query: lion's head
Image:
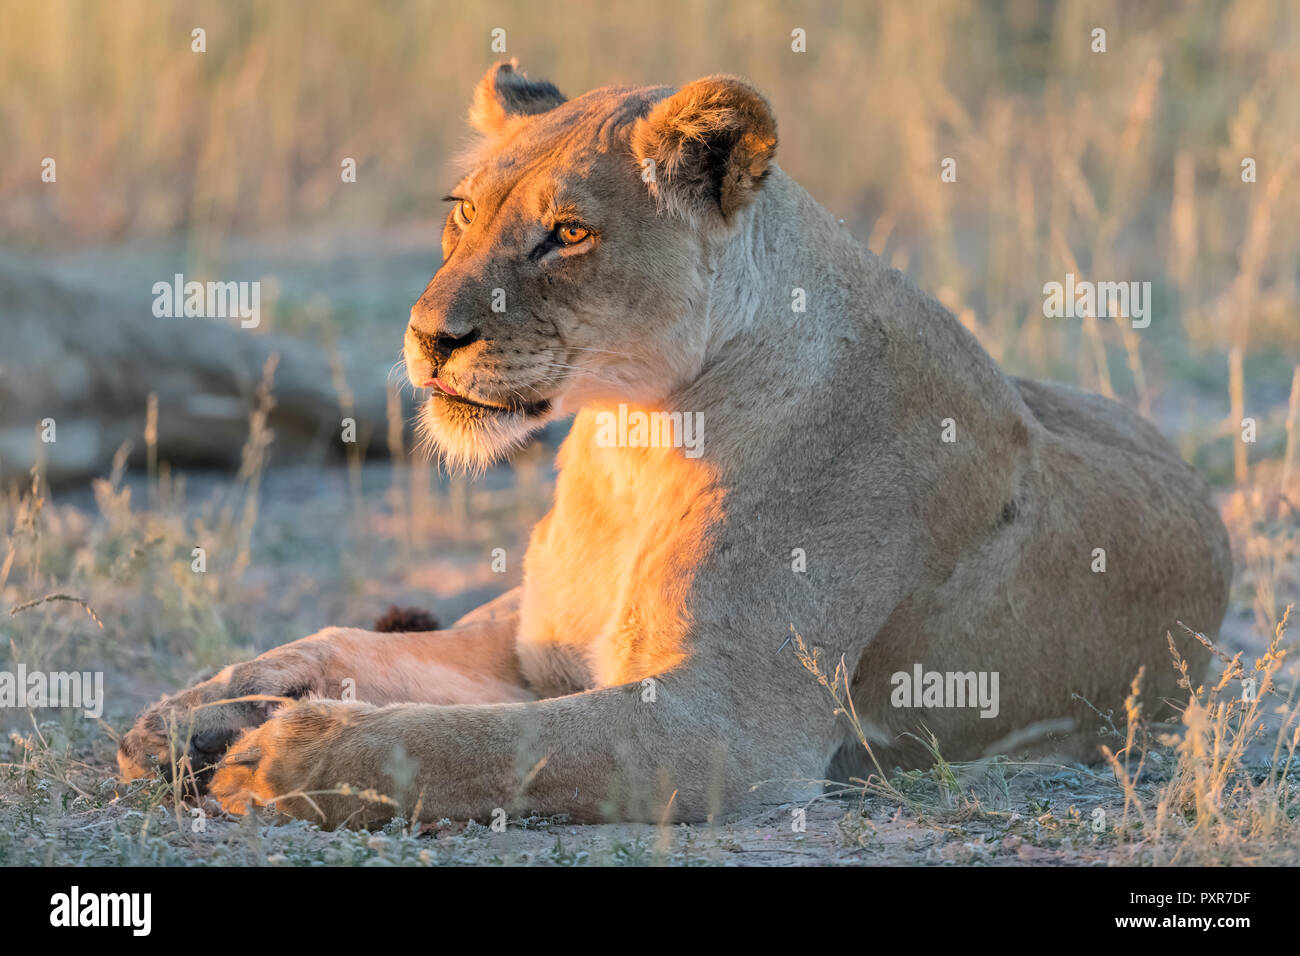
column 575, row 254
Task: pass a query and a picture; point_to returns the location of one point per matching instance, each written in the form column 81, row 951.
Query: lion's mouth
column 444, row 393
column 472, row 432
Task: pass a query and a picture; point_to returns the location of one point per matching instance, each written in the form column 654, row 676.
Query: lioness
column 866, row 478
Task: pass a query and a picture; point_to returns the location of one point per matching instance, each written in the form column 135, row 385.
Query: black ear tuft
column 505, row 92
column 406, row 619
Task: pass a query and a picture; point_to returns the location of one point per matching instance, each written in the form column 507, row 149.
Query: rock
column 78, row 365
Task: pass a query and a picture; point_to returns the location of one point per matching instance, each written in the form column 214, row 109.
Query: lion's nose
column 443, row 320
column 439, row 346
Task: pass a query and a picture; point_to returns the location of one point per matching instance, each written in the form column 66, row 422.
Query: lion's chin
column 469, row 437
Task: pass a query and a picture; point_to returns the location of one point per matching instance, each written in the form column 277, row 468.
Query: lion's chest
column 608, row 574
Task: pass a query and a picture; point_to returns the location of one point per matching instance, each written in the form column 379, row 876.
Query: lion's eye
column 465, row 210
column 571, row 234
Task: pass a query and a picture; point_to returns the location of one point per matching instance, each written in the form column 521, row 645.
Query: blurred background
column 176, row 434
column 226, row 165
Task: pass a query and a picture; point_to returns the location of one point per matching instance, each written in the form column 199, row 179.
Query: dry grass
column 1118, row 165
column 150, row 622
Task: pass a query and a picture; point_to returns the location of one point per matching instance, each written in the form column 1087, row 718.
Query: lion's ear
column 504, row 92
column 711, row 143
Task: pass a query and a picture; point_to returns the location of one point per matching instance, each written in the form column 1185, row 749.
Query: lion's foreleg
column 602, row 754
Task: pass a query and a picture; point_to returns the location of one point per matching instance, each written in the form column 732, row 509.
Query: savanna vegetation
column 1170, row 158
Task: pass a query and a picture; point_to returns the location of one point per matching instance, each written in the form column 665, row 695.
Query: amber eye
column 571, row 234
column 465, row 211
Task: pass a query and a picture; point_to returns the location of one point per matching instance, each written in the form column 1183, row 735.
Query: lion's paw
column 185, row 734
column 299, row 763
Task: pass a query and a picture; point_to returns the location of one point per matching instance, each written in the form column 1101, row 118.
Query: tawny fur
column 644, row 670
